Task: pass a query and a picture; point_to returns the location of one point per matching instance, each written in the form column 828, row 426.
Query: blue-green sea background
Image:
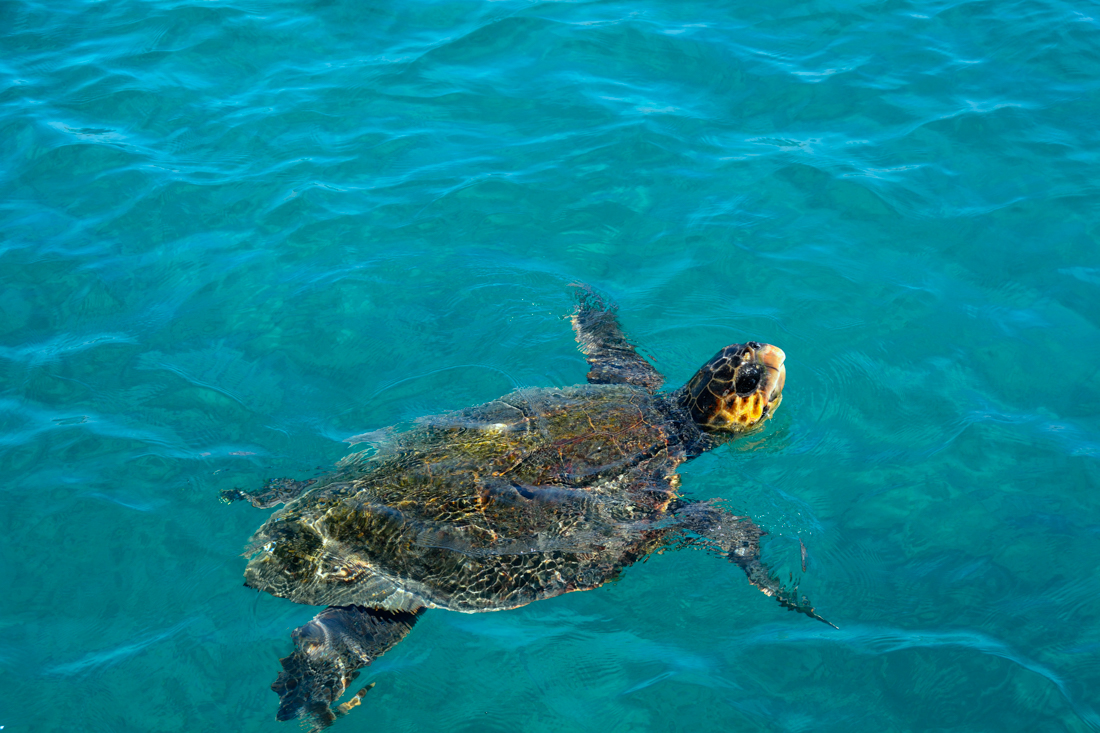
column 234, row 234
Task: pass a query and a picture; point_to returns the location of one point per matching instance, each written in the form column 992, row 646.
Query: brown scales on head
column 738, row 389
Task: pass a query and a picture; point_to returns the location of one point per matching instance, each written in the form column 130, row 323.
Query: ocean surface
column 235, row 234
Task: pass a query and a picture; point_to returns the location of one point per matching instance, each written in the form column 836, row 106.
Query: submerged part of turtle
column 537, row 493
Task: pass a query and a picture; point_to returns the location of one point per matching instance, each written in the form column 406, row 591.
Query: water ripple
column 235, row 234
column 884, row 640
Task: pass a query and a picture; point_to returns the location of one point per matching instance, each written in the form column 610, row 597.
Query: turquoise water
column 233, row 234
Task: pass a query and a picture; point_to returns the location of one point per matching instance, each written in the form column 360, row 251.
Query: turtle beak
column 771, row 359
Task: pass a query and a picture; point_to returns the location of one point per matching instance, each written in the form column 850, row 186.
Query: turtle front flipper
column 762, row 578
column 611, row 358
column 739, row 538
column 328, row 653
column 275, row 491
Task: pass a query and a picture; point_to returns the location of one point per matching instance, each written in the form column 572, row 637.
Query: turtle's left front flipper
column 739, row 538
column 611, row 358
column 328, row 653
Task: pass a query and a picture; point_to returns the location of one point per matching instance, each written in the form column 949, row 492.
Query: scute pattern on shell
column 538, row 493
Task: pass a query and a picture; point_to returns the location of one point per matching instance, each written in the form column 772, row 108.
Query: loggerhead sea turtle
column 537, row 493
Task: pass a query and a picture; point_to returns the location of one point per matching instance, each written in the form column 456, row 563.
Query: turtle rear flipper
column 328, row 653
column 739, row 538
column 611, row 358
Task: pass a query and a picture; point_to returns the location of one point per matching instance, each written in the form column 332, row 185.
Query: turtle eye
column 748, row 379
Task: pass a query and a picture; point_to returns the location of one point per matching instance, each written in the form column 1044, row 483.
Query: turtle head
column 738, row 389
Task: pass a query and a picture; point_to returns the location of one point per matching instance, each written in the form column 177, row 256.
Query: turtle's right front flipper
column 762, row 578
column 328, row 653
column 739, row 538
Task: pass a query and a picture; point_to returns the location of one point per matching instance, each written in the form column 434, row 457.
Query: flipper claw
column 341, row 710
column 345, row 707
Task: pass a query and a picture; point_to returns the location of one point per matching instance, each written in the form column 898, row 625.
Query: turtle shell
column 538, row 493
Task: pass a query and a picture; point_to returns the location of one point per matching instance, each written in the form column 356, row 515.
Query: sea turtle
column 537, row 493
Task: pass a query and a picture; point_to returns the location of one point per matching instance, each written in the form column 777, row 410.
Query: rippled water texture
column 234, row 234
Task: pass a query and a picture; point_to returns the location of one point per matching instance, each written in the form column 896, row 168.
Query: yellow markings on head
column 741, row 412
